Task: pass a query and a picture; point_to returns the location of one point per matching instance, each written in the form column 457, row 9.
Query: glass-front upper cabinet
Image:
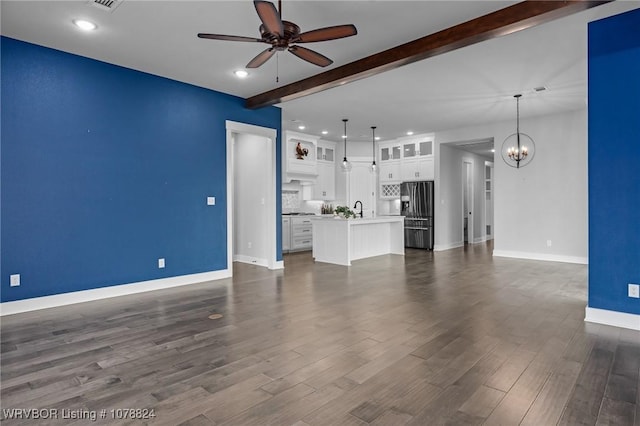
column 326, row 151
column 417, row 149
column 409, row 150
column 389, row 152
column 425, row 148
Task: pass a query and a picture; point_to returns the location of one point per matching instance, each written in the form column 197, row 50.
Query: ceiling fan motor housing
column 291, row 33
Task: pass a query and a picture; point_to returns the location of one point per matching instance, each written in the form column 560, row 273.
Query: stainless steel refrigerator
column 417, row 207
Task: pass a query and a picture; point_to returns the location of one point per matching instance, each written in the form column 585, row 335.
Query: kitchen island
column 341, row 241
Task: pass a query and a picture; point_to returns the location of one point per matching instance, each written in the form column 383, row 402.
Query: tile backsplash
column 290, row 200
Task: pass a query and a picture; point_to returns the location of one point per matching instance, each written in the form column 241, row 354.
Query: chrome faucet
column 356, row 205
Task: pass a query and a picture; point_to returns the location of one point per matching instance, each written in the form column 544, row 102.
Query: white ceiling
column 468, row 86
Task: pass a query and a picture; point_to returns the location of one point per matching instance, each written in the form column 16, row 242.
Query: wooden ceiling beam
column 505, row 21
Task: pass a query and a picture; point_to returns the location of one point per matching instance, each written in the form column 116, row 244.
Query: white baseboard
column 616, row 319
column 250, row 260
column 278, row 265
column 53, row 301
column 442, row 247
column 480, row 240
column 541, row 256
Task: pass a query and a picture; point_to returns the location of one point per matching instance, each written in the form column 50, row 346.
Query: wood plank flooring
column 446, row 338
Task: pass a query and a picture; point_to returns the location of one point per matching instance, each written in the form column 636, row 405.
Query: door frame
column 270, row 201
column 471, row 195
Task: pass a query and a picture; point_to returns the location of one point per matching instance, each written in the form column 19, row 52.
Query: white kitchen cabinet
column 325, row 186
column 286, row 233
column 389, row 151
column 389, row 179
column 417, row 169
column 301, row 233
column 390, row 172
column 326, row 151
column 419, row 148
column 417, row 159
column 300, row 157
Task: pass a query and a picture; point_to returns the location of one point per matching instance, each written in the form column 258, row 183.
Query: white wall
column 546, row 200
column 250, row 192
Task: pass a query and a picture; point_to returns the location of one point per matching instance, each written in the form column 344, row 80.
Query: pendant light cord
column 373, row 145
column 345, row 139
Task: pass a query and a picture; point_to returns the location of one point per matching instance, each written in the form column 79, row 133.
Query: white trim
column 36, row 303
column 278, row 265
column 271, row 205
column 472, row 199
column 541, row 256
column 250, row 260
column 616, row 319
column 479, row 240
column 443, row 247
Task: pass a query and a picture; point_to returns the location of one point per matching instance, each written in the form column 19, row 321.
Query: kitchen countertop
column 362, row 220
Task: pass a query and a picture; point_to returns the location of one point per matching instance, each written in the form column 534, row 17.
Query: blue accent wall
column 614, row 155
column 106, row 169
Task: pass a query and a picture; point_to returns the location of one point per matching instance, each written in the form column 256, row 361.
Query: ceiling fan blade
column 261, row 58
column 227, row 37
column 328, row 33
column 310, row 56
column 270, row 17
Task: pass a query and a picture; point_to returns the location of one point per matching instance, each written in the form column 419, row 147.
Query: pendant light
column 346, row 165
column 373, row 168
column 518, row 149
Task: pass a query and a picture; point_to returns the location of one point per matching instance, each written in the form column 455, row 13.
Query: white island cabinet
column 341, row 241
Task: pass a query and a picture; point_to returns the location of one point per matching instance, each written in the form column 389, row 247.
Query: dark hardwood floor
column 446, row 338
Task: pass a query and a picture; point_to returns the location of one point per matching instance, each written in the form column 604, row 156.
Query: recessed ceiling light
column 493, row 150
column 84, row 24
column 301, row 127
column 377, row 138
column 409, row 133
column 241, row 73
column 324, row 132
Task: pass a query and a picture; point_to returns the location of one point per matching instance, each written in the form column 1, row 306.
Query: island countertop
column 361, row 220
column 340, row 241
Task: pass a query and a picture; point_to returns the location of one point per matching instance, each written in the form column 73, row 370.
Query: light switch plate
column 634, row 291
column 211, row 201
column 15, row 280
column 161, row 263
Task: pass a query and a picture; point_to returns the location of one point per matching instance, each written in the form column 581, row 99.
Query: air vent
column 107, row 5
column 540, row 89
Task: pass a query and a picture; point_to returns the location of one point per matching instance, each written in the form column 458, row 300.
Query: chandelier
column 518, row 148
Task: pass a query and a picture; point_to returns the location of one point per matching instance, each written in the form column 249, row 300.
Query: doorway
column 251, row 195
column 467, row 201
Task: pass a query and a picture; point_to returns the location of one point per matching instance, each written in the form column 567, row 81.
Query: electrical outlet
column 634, row 291
column 211, row 201
column 161, row 263
column 549, row 243
column 15, row 280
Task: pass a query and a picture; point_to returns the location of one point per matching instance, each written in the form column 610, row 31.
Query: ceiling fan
column 284, row 35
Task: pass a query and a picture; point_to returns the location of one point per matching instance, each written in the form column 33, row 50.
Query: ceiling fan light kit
column 283, row 35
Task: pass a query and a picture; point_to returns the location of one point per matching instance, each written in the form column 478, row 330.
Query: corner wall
column 614, row 150
column 106, row 169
